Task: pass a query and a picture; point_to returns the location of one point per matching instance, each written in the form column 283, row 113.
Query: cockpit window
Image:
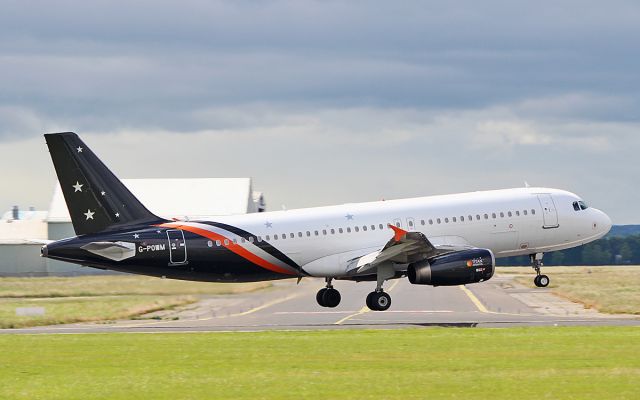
column 580, row 205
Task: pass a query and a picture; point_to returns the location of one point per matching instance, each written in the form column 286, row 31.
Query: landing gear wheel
column 543, row 281
column 536, row 281
column 369, row 303
column 331, row 297
column 320, row 296
column 378, row 301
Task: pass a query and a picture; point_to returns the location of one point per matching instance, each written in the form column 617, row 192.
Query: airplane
column 439, row 241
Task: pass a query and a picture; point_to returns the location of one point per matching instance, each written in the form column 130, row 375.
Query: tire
column 381, row 301
column 369, row 303
column 331, row 298
column 536, row 281
column 543, row 281
column 320, row 296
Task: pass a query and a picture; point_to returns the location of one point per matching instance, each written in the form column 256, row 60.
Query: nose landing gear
column 536, row 263
column 328, row 296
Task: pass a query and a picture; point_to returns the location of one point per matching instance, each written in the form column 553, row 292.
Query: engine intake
column 458, row 268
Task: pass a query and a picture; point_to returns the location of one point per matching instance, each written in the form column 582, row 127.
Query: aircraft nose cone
column 603, row 223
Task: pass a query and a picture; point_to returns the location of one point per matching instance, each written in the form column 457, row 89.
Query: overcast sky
column 329, row 102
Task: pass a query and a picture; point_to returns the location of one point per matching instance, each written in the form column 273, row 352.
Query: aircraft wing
column 404, row 248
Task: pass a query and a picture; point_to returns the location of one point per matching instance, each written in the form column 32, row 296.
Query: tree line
column 606, row 251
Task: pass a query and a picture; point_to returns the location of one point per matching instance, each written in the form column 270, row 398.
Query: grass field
column 614, row 290
column 98, row 298
column 519, row 363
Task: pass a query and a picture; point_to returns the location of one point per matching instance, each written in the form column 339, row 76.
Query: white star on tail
column 79, row 149
column 136, row 236
column 78, row 187
column 89, row 214
column 117, row 215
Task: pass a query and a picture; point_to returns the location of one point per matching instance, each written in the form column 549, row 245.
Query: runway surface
column 288, row 306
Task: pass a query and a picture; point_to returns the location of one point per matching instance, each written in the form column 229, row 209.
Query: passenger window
column 478, row 217
column 284, row 236
column 242, row 240
column 364, row 228
column 324, row 231
column 486, row 216
column 251, row 239
column 308, row 233
column 501, row 215
column 493, row 215
column 525, row 212
column 348, row 229
column 357, row 229
column 438, row 220
column 235, row 241
column 517, row 213
column 446, row 220
column 226, row 242
column 410, row 224
column 267, row 237
column 333, row 231
column 430, row 222
column 259, row 238
column 315, row 233
column 373, row 227
column 471, row 218
column 218, row 243
column 454, row 219
column 381, row 226
column 422, row 222
column 533, row 212
column 340, row 230
column 462, row 219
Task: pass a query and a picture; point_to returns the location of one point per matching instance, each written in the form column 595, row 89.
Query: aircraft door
column 549, row 211
column 177, row 247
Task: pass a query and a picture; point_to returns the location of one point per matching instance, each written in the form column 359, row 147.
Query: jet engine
column 457, row 268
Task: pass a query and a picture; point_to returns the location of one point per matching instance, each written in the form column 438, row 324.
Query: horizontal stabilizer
column 116, row 251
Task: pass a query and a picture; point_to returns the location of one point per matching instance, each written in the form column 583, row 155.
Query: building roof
column 179, row 198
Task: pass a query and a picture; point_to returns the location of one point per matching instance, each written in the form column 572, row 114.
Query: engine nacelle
column 458, row 268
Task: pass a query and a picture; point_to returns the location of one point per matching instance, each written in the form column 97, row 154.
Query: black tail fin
column 96, row 198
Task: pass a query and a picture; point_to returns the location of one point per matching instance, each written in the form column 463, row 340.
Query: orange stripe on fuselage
column 239, row 250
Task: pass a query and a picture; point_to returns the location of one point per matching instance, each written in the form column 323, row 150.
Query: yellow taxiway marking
column 474, row 299
column 262, row 307
column 250, row 311
column 364, row 309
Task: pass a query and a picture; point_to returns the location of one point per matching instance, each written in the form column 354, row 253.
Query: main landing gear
column 536, row 263
column 328, row 296
column 378, row 300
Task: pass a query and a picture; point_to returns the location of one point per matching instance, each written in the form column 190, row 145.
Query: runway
column 287, row 306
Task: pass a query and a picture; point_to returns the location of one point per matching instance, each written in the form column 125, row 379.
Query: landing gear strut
column 328, row 296
column 536, row 263
column 378, row 300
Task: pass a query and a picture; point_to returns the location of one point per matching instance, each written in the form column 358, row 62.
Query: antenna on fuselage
column 526, row 184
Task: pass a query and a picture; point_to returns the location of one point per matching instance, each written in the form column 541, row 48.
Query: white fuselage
column 508, row 222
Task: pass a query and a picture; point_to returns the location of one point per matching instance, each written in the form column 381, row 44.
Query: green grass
column 65, row 310
column 520, row 363
column 613, row 290
column 100, row 298
column 111, row 285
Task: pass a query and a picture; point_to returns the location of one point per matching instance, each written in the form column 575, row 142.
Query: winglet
column 399, row 233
